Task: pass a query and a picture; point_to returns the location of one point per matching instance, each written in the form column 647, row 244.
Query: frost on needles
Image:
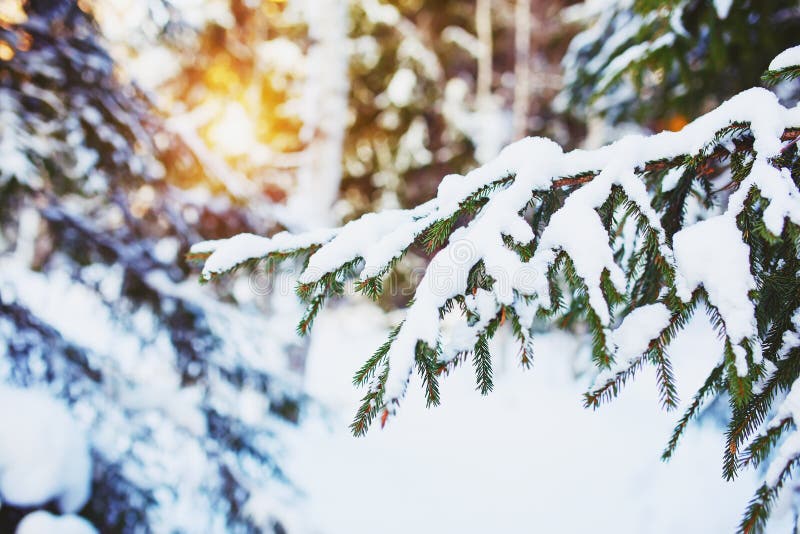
column 542, row 235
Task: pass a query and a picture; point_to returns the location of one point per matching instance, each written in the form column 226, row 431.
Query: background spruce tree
column 99, row 200
column 660, row 64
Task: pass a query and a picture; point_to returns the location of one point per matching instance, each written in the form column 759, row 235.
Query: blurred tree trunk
column 483, row 26
column 324, row 115
column 522, row 58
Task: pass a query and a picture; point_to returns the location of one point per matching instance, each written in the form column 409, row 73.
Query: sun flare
column 234, row 132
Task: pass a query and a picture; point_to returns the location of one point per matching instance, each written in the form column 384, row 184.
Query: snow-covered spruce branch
column 601, row 235
column 785, row 66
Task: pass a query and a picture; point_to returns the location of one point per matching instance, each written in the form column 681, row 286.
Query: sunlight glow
column 234, row 133
column 6, row 52
column 11, row 12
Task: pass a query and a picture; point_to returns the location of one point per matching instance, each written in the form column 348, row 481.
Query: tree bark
column 483, row 27
column 522, row 58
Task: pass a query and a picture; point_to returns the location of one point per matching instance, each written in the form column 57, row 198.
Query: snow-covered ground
column 526, row 458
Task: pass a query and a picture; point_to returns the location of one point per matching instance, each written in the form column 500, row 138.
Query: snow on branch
column 499, row 265
column 785, row 66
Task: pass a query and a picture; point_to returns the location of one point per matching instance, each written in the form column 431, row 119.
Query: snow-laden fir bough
column 539, row 234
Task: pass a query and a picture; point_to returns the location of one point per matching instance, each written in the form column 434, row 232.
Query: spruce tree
column 542, row 236
column 98, row 203
column 658, row 63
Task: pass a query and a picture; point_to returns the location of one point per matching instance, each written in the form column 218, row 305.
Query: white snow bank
column 44, row 454
column 523, row 459
column 42, row 522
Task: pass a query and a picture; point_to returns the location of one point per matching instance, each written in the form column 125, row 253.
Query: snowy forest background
column 136, row 399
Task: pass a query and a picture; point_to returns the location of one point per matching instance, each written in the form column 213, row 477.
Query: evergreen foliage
column 604, row 237
column 662, row 62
